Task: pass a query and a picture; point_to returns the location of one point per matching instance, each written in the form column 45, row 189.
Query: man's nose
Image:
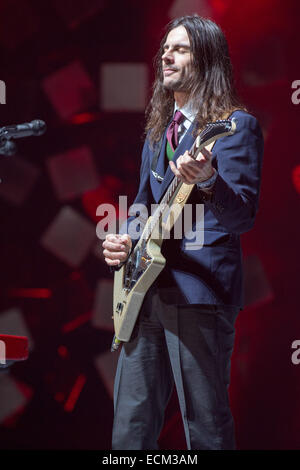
column 167, row 57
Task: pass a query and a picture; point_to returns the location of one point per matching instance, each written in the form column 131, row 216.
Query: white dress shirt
column 189, row 115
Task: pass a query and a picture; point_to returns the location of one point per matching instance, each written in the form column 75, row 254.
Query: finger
column 112, row 262
column 186, row 158
column 194, row 166
column 113, row 237
column 174, row 169
column 206, row 154
column 125, row 239
column 118, row 239
column 120, row 255
column 183, row 179
column 181, row 174
column 187, row 172
column 186, row 155
column 110, row 246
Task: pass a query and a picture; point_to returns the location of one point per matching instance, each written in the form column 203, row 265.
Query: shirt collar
column 188, row 111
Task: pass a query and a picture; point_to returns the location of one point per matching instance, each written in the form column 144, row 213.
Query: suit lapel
column 161, row 159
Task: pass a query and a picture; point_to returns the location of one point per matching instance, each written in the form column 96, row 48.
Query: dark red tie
column 172, row 131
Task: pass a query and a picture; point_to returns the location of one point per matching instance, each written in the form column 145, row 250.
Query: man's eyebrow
column 187, row 46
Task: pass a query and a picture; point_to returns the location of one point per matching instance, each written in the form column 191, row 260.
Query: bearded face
column 177, row 60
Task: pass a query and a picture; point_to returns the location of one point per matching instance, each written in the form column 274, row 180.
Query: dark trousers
column 188, row 345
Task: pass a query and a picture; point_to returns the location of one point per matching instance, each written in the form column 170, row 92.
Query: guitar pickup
column 119, row 308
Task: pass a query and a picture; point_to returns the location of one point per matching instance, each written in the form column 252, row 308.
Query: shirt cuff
column 208, row 184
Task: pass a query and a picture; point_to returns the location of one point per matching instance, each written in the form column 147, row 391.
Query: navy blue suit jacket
column 212, row 274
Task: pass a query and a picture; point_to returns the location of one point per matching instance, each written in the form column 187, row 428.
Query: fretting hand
column 192, row 171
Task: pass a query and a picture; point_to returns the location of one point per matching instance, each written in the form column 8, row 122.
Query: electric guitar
column 145, row 262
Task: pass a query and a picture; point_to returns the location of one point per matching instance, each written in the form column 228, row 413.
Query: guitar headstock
column 215, row 130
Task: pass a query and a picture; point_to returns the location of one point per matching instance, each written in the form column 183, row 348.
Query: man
column 185, row 330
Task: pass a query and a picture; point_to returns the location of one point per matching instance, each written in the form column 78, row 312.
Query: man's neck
column 181, row 98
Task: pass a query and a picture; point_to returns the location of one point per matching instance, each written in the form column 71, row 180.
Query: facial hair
column 183, row 83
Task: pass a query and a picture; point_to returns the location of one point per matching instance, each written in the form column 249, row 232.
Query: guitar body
column 132, row 281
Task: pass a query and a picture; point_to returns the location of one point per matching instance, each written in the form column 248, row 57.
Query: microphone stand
column 8, row 133
column 7, row 147
column 36, row 127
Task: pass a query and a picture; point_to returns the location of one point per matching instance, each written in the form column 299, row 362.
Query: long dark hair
column 211, row 87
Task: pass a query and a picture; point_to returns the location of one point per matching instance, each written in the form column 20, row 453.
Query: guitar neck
column 170, row 195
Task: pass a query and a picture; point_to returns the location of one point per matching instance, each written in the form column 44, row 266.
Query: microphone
column 36, row 127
